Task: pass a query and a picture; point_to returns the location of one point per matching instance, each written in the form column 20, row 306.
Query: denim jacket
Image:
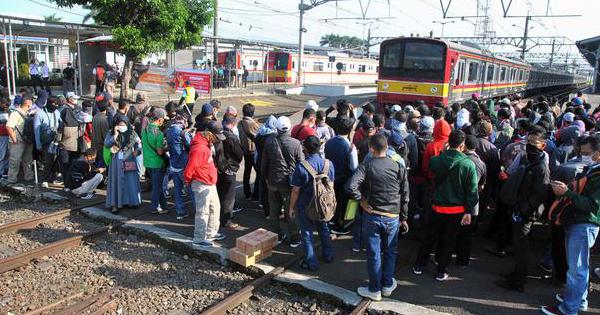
column 178, row 142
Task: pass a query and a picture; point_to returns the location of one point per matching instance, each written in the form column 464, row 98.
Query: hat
column 216, row 130
column 395, row 108
column 312, row 105
column 577, row 101
column 414, row 114
column 231, row 110
column 475, row 96
column 283, row 123
column 368, row 125
column 408, row 108
column 426, row 123
column 568, row 117
column 160, row 113
column 206, row 110
column 72, row 95
column 485, row 128
column 368, row 108
column 462, row 117
column 505, row 101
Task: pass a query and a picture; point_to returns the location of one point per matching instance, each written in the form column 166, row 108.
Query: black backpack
column 509, row 192
column 27, row 134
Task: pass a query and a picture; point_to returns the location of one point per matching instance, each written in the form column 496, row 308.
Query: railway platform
column 468, row 291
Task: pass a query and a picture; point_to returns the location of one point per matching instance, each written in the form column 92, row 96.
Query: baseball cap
column 414, row 114
column 312, row 105
column 427, row 123
column 216, row 130
column 283, row 123
column 395, row 108
column 207, row 110
column 569, row 117
column 408, row 108
column 72, row 95
column 368, row 125
column 160, row 113
column 577, row 101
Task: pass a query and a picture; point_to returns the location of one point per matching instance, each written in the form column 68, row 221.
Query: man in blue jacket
column 45, row 125
column 178, row 143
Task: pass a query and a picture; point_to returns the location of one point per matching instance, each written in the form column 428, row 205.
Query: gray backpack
column 322, row 206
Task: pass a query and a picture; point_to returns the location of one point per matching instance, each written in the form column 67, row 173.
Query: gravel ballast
column 12, row 211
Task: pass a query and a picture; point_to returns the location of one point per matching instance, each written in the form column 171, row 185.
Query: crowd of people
column 495, row 166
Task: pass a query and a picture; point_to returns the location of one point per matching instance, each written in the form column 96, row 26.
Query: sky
column 277, row 20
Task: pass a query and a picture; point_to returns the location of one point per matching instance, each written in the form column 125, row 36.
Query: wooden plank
column 362, row 307
column 98, row 299
column 54, row 304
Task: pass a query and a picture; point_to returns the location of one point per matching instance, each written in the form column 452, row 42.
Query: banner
column 199, row 79
column 168, row 81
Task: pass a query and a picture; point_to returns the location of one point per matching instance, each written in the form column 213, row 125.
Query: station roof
column 589, row 48
column 40, row 28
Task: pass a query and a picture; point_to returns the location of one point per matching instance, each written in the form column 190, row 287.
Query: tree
column 143, row 27
column 52, row 18
column 344, row 42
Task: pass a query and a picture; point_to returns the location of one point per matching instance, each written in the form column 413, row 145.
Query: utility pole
column 215, row 36
column 301, row 7
column 368, row 42
column 552, row 54
column 525, row 35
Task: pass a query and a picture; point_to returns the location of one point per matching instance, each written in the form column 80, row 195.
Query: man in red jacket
column 201, row 173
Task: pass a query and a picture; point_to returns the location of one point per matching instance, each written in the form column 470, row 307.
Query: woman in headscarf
column 270, row 127
column 123, row 179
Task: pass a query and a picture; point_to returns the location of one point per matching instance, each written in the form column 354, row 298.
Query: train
column 282, row 67
column 437, row 71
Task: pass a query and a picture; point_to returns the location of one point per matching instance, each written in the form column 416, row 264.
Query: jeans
column 179, row 184
column 280, row 200
column 88, row 186
column 579, row 239
column 382, row 248
column 158, row 196
column 442, row 228
column 50, row 165
column 359, row 235
column 520, row 232
column 307, row 226
column 207, row 211
column 248, row 165
column 559, row 256
column 226, row 190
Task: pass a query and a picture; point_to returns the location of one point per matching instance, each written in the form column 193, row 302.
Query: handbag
column 129, row 166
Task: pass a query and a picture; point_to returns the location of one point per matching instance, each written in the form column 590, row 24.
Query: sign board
column 339, row 66
column 169, row 80
column 200, row 79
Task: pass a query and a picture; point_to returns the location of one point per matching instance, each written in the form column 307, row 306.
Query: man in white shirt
column 45, row 75
column 34, row 74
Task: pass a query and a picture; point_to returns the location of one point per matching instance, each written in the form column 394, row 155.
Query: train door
column 473, row 76
column 457, row 80
column 489, row 80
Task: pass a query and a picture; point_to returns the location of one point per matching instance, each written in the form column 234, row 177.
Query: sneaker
column 597, row 272
column 87, row 196
column 545, row 268
column 203, row 244
column 356, row 250
column 551, row 310
column 417, row 270
column 217, row 237
column 387, row 291
column 159, row 211
column 236, row 210
column 339, row 231
column 281, row 238
column 364, row 292
column 560, row 299
column 295, row 243
column 45, row 185
column 183, row 216
column 441, row 276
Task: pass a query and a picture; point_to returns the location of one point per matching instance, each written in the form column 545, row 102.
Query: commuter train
column 432, row 70
column 281, row 66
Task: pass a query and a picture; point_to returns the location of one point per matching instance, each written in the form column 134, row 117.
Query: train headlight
column 385, row 86
column 434, row 90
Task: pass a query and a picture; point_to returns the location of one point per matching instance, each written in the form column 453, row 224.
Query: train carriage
column 435, row 71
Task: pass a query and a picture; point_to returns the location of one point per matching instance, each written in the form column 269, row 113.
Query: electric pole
column 525, row 34
column 215, row 35
column 552, row 53
column 301, row 7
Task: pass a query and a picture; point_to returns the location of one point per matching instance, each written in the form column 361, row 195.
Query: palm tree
column 52, row 18
column 90, row 15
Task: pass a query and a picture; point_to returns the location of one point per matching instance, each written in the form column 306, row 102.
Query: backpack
column 509, row 192
column 27, row 134
column 323, row 204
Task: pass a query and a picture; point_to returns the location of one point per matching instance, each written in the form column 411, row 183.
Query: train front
column 412, row 69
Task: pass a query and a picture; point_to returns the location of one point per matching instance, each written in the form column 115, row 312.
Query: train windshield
column 414, row 59
column 281, row 61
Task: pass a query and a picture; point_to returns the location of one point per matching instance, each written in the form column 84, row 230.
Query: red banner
column 199, row 79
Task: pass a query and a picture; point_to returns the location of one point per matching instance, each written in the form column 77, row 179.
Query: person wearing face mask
column 578, row 212
column 70, row 132
column 4, row 104
column 45, row 126
column 84, row 176
column 178, row 143
column 123, row 180
column 531, row 194
column 153, row 146
column 20, row 150
column 201, row 173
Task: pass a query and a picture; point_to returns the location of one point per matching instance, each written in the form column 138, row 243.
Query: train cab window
column 281, row 61
column 423, row 56
column 459, row 75
column 391, row 56
column 413, row 59
column 490, row 74
column 318, row 66
column 473, row 72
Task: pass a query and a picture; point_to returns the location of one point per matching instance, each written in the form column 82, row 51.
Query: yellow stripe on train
column 485, row 88
column 413, row 88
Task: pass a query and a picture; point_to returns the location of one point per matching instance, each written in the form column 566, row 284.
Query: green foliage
column 142, row 27
column 52, row 18
column 339, row 41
